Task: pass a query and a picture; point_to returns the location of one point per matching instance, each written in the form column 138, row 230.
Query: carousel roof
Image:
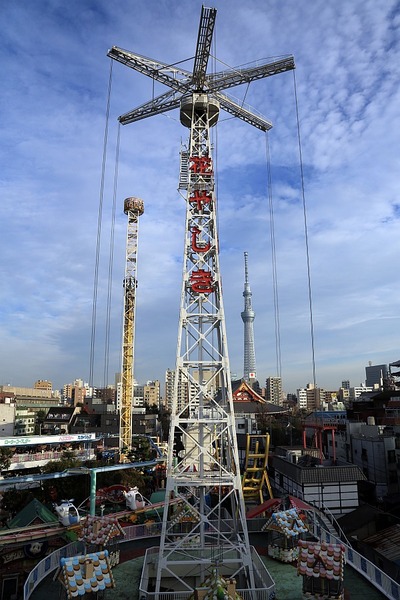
column 85, row 574
column 100, row 530
column 286, row 522
column 321, row 560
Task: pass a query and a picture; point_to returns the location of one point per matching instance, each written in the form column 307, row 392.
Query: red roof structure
column 268, row 506
column 299, row 504
column 246, row 399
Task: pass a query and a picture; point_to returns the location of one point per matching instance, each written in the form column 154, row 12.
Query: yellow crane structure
column 255, row 476
column 133, row 208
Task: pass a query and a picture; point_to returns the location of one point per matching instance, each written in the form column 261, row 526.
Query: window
column 10, row 587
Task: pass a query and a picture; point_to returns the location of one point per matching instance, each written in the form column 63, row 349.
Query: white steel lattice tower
column 207, row 531
column 206, row 476
column 248, row 316
column 133, row 208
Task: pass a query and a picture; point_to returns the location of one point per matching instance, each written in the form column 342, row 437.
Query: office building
column 375, row 376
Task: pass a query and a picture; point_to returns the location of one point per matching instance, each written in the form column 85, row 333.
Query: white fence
column 49, row 564
column 386, row 585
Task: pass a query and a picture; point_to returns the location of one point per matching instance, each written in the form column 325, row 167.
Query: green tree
column 67, row 461
column 40, row 417
column 132, row 478
column 164, row 417
column 5, row 458
column 14, row 501
column 66, row 487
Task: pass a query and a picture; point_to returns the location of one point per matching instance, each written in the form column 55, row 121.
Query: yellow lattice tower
column 255, row 474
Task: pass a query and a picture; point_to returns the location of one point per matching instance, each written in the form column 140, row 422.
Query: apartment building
column 151, row 393
column 273, row 390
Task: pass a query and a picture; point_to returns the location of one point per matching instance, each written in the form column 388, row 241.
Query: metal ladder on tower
column 184, row 170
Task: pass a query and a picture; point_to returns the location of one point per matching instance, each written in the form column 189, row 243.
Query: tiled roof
column 245, row 388
column 321, row 560
column 100, row 530
column 332, row 474
column 85, row 574
column 318, row 474
column 286, row 522
column 386, row 542
column 357, row 518
column 246, row 399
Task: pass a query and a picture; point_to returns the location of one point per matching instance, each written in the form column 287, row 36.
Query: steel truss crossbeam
column 167, row 74
column 203, row 46
column 158, row 105
column 246, row 114
column 233, row 77
column 183, row 83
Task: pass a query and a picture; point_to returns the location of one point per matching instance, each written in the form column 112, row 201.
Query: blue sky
column 53, row 98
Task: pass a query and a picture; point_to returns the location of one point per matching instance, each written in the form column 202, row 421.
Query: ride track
column 35, row 532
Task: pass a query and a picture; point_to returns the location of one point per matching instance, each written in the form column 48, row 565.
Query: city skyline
column 345, row 384
column 54, row 100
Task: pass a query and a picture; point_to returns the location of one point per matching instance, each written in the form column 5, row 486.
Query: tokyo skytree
column 248, row 316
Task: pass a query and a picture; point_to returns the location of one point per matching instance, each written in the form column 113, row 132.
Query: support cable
column 111, row 264
column 278, row 353
column 98, row 242
column 305, row 234
column 218, row 554
column 214, row 134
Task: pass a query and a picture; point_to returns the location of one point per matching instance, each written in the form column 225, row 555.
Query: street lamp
column 289, row 427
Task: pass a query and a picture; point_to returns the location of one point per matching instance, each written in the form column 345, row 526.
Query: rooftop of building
column 386, row 543
column 288, row 583
column 309, row 470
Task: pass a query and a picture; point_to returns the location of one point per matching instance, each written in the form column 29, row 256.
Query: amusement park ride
column 69, row 515
column 133, row 208
column 206, row 475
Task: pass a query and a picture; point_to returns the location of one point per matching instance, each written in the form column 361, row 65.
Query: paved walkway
column 288, row 583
